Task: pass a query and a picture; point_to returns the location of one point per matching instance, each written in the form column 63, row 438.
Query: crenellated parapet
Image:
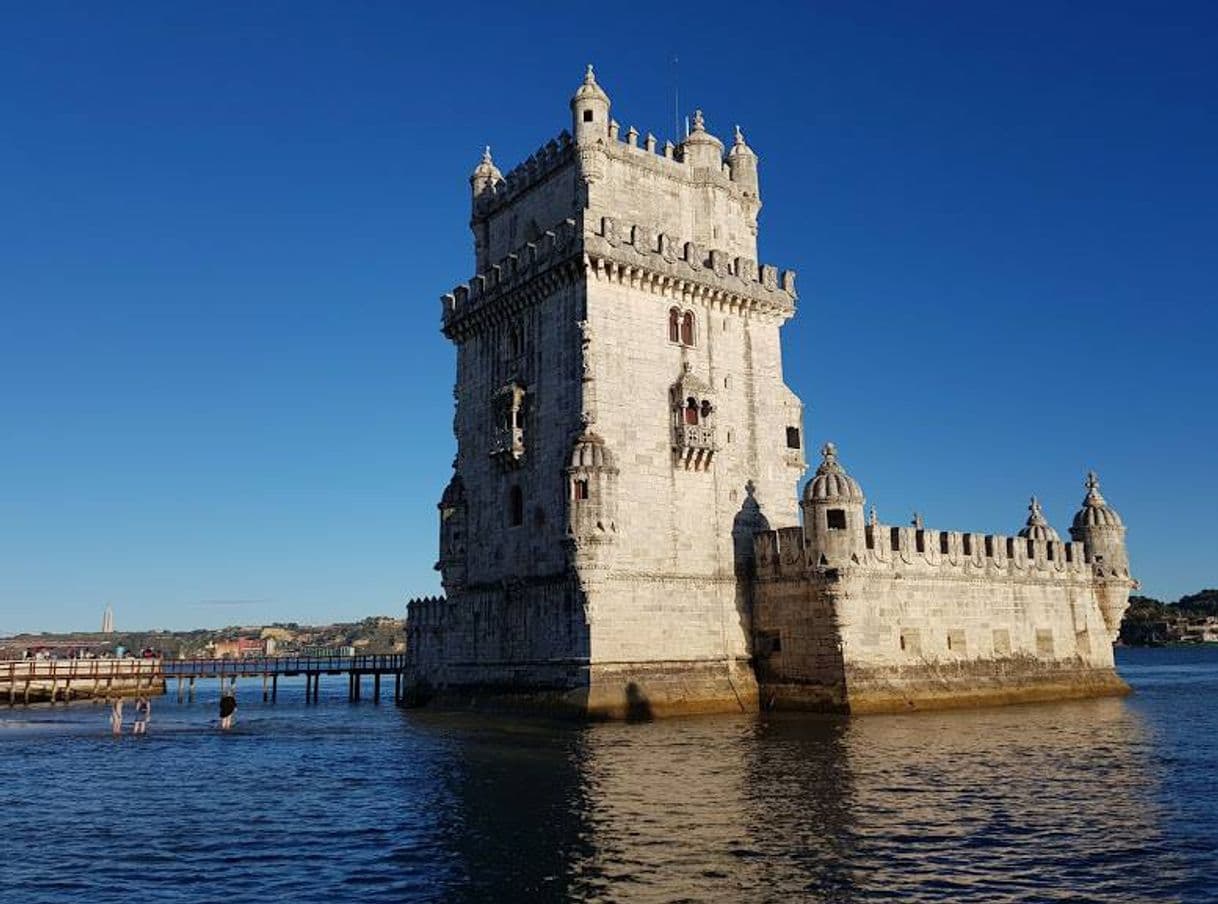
column 536, row 168
column 665, row 264
column 529, row 273
column 784, row 554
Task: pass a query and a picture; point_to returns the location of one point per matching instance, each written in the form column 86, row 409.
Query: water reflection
column 1047, row 802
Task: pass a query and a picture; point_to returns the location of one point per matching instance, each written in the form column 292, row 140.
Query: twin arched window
column 694, row 413
column 681, row 326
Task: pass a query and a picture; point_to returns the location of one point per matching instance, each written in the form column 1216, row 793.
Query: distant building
column 242, row 648
column 107, row 626
column 622, row 532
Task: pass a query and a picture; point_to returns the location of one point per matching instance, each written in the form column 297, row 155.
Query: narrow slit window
column 1010, row 548
column 515, row 507
column 792, row 437
column 989, row 547
column 943, row 543
column 895, row 533
column 967, row 541
column 1031, row 549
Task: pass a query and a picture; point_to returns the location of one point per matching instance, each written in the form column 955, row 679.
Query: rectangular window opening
column 967, row 540
column 944, row 540
column 896, row 538
column 989, row 547
column 792, row 437
column 920, row 540
column 836, row 519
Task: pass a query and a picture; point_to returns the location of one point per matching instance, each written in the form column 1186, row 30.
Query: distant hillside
column 378, row 634
column 1152, row 621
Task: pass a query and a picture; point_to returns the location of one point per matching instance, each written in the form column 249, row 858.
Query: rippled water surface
column 1110, row 800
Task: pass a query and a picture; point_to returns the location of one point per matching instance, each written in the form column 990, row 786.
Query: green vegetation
column 1152, row 621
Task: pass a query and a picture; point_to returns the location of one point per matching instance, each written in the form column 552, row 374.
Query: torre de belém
column 622, row 537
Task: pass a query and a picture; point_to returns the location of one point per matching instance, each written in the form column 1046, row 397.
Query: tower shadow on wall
column 638, row 707
column 749, row 522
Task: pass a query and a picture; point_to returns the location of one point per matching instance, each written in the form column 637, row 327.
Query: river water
column 1108, row 800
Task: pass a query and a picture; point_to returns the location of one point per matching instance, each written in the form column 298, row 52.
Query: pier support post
column 180, row 688
column 376, row 687
column 274, row 688
column 266, row 691
column 192, row 688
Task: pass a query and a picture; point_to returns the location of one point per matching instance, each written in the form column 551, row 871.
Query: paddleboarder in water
column 228, row 706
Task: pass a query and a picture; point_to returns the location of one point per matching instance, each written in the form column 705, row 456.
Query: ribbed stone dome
column 740, row 148
column 590, row 451
column 486, row 171
column 1096, row 512
column 831, row 482
column 1037, row 527
column 590, row 88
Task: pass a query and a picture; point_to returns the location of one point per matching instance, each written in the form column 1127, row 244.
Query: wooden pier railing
column 32, row 680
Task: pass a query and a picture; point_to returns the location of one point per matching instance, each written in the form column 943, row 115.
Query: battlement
column 425, row 611
column 521, row 266
column 642, row 248
column 536, row 168
column 783, row 554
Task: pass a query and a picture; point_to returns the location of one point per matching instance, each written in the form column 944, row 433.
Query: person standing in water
column 143, row 715
column 228, row 706
column 116, row 715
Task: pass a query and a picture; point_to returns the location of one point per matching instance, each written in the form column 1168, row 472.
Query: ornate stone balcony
column 508, row 445
column 694, row 446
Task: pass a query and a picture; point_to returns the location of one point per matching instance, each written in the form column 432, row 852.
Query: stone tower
column 622, row 425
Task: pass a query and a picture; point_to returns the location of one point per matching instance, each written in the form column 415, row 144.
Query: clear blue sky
column 226, row 226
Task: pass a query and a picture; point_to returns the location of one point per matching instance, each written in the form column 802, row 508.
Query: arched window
column 515, row 342
column 687, row 328
column 579, row 489
column 706, row 410
column 515, row 507
column 674, row 325
column 691, row 412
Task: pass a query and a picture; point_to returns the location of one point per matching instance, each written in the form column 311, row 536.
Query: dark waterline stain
column 1107, row 800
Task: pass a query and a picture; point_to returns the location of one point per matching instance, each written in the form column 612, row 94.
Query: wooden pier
column 60, row 680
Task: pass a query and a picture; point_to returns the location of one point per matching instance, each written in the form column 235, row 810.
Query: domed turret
column 1096, row 512
column 742, row 163
column 701, row 148
column 833, row 513
column 486, row 176
column 590, row 451
column 1037, row 527
column 832, row 483
column 592, row 479
column 452, row 535
column 589, row 110
column 1100, row 529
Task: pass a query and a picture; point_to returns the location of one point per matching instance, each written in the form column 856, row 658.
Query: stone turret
column 1037, row 527
column 486, row 176
column 589, row 111
column 702, row 150
column 453, row 535
column 742, row 163
column 484, row 182
column 833, row 513
column 1100, row 529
